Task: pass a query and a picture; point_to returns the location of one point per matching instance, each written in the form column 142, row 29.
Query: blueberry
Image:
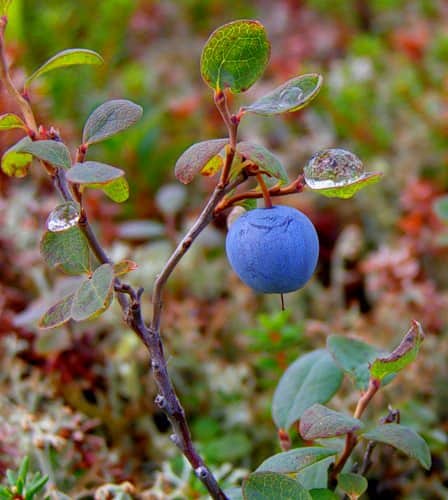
column 273, row 250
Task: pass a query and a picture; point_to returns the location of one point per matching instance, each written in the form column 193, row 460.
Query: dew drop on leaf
column 332, row 168
column 63, row 217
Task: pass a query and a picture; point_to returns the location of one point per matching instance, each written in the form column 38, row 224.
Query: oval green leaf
column 312, row 378
column 235, row 56
column 10, row 120
column 293, row 461
column 15, row 163
column 58, row 313
column 234, row 493
column 354, row 485
column 320, row 422
column 291, row 96
column 109, row 119
column 404, row 439
column 264, row 159
column 117, row 190
column 354, row 357
column 93, row 172
column 68, row 250
column 196, row 157
column 53, row 152
column 401, row 356
column 348, row 190
column 269, row 485
column 323, row 494
column 70, row 57
column 94, row 295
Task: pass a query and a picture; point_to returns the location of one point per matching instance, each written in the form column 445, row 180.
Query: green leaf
column 66, row 58
column 124, row 267
column 213, row 166
column 5, row 494
column 349, row 189
column 58, row 313
column 117, row 190
column 235, row 56
column 23, row 470
column 269, row 485
column 404, row 439
column 264, row 159
column 94, row 295
column 234, row 493
column 316, row 475
column 352, row 484
column 401, row 356
column 36, row 486
column 14, row 162
column 10, row 120
column 354, row 357
column 68, row 250
column 312, row 378
column 11, row 476
column 196, row 157
column 109, row 119
column 323, row 494
column 319, row 422
column 291, row 96
column 293, row 461
column 441, row 207
column 93, row 172
column 53, row 152
column 4, row 6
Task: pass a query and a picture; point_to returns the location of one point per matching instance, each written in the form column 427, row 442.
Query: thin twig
column 23, row 104
column 167, row 399
column 351, row 440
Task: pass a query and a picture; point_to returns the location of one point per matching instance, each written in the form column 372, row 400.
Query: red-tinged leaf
column 401, row 356
column 320, row 422
column 124, row 266
column 57, row 314
column 193, row 160
column 109, row 119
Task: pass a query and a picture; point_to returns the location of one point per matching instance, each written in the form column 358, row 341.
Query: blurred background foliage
column 79, row 399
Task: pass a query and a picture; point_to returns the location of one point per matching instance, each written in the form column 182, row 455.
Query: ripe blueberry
column 273, row 250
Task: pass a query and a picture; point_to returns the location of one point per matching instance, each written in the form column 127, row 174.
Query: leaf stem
column 264, row 190
column 351, row 440
column 232, row 122
column 23, row 104
column 294, row 187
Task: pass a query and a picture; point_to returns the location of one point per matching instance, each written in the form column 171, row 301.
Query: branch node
column 201, row 472
column 160, row 401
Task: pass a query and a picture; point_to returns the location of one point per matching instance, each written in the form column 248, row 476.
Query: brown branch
column 292, row 188
column 167, row 399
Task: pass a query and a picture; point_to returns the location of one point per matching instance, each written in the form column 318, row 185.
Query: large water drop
column 333, row 168
column 63, row 217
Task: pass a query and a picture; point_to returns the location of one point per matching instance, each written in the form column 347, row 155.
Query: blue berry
column 273, row 250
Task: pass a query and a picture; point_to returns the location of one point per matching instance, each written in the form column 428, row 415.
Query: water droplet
column 289, row 97
column 63, row 217
column 332, row 168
